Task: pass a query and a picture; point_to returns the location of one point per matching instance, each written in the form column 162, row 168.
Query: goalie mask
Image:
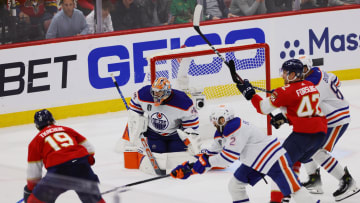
column 43, row 118
column 160, row 90
column 307, row 62
column 220, row 116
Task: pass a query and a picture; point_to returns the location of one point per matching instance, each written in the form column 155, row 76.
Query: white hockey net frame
column 254, row 59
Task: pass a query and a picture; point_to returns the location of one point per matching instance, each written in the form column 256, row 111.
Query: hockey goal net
column 203, row 75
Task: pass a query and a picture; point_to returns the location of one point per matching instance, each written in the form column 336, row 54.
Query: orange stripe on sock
column 327, row 166
column 293, row 183
column 333, row 136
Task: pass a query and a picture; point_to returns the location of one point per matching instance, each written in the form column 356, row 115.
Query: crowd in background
column 29, row 20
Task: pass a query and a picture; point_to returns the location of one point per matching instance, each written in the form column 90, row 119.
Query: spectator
column 182, row 11
column 86, row 6
column 126, row 15
column 68, row 22
column 247, row 7
column 273, row 6
column 106, row 18
column 32, row 18
column 215, row 9
column 155, row 12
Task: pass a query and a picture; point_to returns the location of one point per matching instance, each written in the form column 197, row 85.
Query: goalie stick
column 149, row 154
column 196, row 23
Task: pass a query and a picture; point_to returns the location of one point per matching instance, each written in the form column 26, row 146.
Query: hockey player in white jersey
column 336, row 108
column 260, row 155
column 158, row 111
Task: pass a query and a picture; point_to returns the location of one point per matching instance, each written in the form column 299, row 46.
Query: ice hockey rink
column 104, row 130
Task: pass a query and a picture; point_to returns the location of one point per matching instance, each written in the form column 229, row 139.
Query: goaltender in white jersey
column 158, row 112
column 260, row 155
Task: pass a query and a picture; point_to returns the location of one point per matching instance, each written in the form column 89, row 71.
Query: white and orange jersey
column 332, row 101
column 177, row 111
column 249, row 144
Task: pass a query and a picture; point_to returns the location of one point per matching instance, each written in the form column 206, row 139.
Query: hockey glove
column 182, row 171
column 27, row 193
column 278, row 120
column 201, row 164
column 246, row 89
column 91, row 159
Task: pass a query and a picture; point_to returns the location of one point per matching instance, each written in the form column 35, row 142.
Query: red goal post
column 205, row 72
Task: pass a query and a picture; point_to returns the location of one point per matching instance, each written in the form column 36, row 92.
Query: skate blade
column 347, row 194
column 317, row 190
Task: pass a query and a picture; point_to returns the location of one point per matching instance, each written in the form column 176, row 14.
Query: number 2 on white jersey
column 59, row 140
column 305, row 108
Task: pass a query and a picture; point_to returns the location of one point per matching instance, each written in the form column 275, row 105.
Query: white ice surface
column 105, row 130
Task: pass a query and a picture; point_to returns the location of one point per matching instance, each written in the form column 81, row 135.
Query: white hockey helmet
column 306, row 61
column 221, row 111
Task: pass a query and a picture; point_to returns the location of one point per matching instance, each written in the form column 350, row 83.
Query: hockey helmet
column 160, row 90
column 293, row 65
column 306, row 61
column 221, row 111
column 43, row 118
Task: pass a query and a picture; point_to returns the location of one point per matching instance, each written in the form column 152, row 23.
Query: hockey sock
column 329, row 163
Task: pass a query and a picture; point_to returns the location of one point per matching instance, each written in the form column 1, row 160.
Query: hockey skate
column 347, row 187
column 314, row 184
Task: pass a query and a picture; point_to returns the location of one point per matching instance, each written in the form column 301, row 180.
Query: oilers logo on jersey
column 159, row 121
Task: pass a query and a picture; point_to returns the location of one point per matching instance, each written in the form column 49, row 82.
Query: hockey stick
column 146, row 180
column 155, row 165
column 135, row 183
column 20, row 200
column 196, row 23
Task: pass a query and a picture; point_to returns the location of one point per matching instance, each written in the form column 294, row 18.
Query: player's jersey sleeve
column 143, row 95
column 235, row 142
column 216, row 146
column 190, row 118
column 263, row 106
column 35, row 164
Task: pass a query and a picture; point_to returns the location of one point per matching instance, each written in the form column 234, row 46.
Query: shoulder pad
column 315, row 76
column 180, row 99
column 232, row 126
column 145, row 95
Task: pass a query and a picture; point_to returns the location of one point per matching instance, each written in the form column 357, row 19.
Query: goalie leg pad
column 137, row 124
column 237, row 190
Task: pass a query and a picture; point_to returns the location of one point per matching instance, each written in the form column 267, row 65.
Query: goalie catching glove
column 278, row 120
column 246, row 89
column 182, row 171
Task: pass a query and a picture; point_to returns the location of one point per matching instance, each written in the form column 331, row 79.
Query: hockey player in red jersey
column 67, row 156
column 299, row 102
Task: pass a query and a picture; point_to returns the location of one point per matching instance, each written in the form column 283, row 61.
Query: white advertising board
column 76, row 72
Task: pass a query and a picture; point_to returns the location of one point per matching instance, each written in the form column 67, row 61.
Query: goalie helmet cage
column 199, row 69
